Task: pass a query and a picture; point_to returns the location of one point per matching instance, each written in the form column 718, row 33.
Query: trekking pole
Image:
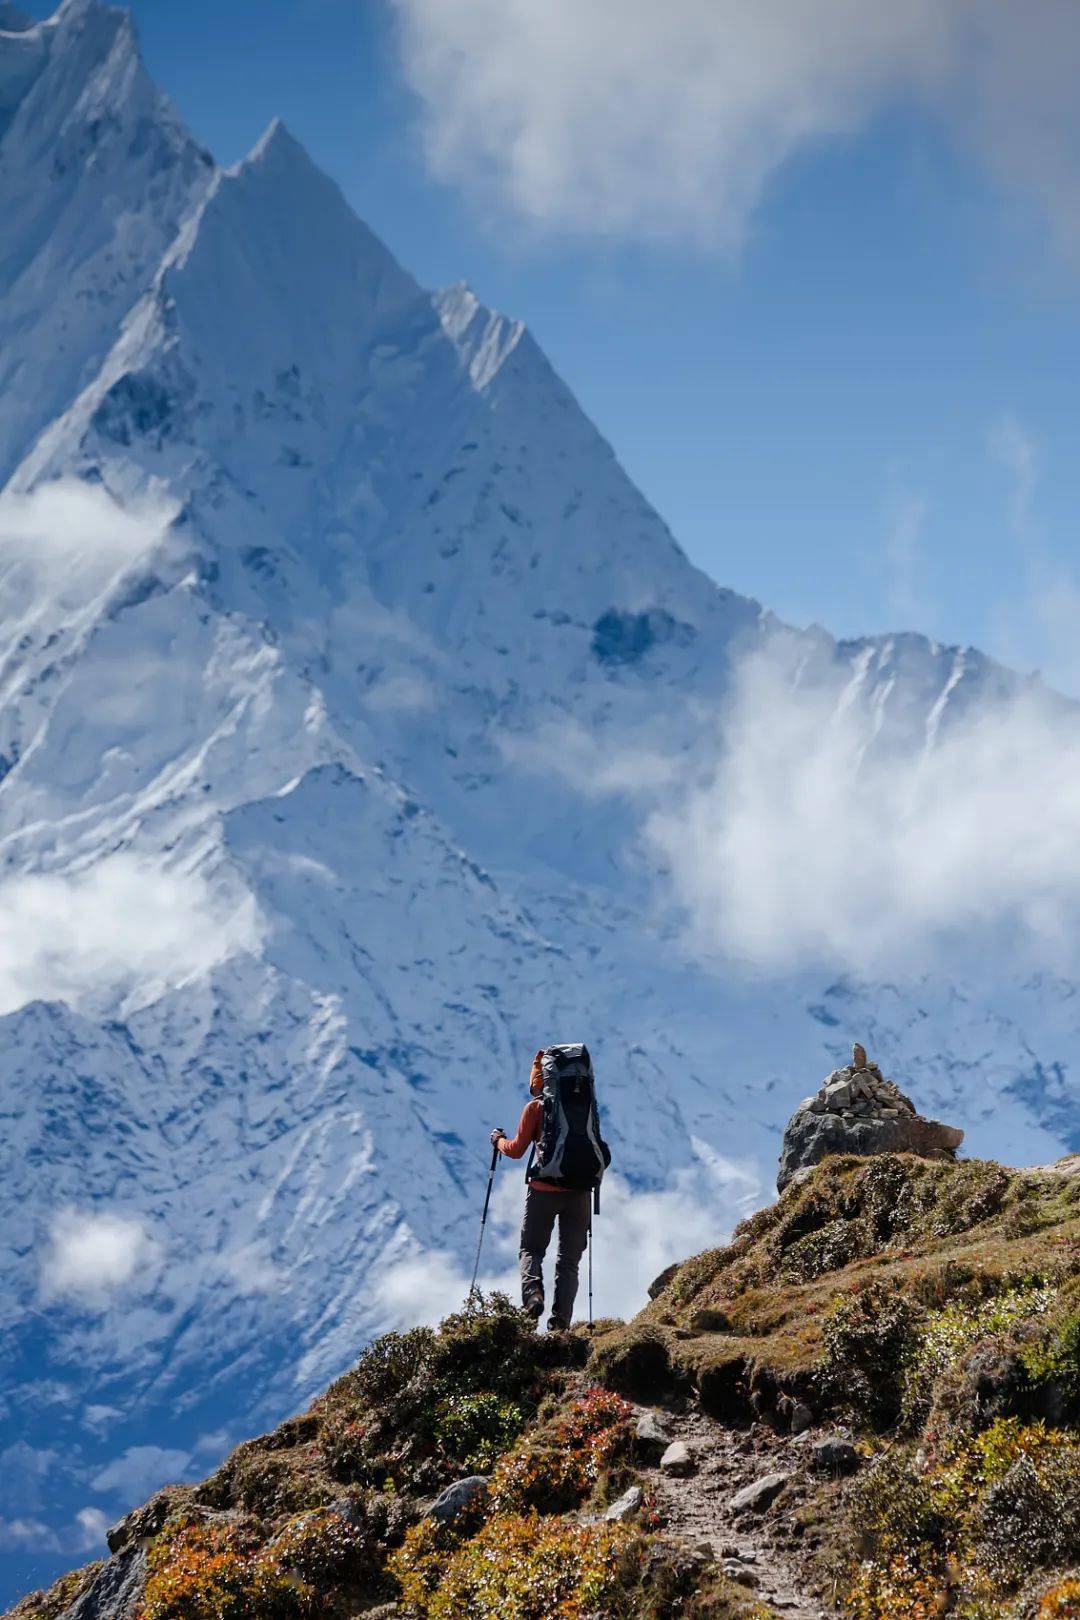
column 483, row 1220
column 590, row 1267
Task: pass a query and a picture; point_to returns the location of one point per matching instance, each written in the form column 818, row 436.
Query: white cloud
column 636, row 1235
column 27, row 1535
column 122, row 924
column 634, row 764
column 1015, row 448
column 401, row 692
column 97, row 1418
column 655, row 121
column 91, row 1256
column 73, row 539
column 91, row 1524
column 140, row 1471
column 214, row 1444
column 250, row 1269
column 816, row 840
column 906, row 520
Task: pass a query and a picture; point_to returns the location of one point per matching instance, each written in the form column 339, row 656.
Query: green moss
column 634, row 1360
column 1056, row 1359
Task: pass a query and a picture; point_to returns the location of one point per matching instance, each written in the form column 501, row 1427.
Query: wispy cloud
column 669, row 121
column 90, row 1527
column 93, row 1255
column 27, row 1535
column 904, row 561
column 125, row 923
column 140, row 1470
column 1036, row 625
column 73, row 539
column 815, row 840
column 1016, row 450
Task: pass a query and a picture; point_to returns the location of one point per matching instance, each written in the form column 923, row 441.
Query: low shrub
column 473, row 1431
column 1056, row 1359
column 420, row 1408
column 522, row 1566
column 942, row 1340
column 560, row 1467
column 1062, row 1602
column 219, row 1571
column 976, row 1524
column 869, row 1337
column 325, row 1548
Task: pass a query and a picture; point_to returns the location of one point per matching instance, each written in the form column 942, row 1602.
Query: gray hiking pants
column 542, row 1210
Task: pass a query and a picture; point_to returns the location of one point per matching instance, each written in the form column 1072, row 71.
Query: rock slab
column 627, row 1505
column 760, row 1495
column 811, row 1137
column 456, row 1497
column 677, row 1460
column 651, row 1437
column 116, row 1591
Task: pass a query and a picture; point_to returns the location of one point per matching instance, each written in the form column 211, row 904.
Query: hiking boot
column 534, row 1305
column 555, row 1324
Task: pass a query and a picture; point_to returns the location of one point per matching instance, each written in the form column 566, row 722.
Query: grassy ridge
column 935, row 1308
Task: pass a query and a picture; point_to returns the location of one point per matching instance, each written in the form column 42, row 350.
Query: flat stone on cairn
column 858, row 1111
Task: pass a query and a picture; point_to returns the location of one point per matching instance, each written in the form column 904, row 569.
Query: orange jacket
column 529, row 1127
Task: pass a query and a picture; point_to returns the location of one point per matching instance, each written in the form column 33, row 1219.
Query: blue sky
column 862, row 411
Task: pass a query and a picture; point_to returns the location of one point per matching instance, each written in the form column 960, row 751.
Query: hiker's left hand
column 497, row 1135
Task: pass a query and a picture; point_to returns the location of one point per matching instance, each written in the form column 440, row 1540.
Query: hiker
column 561, row 1126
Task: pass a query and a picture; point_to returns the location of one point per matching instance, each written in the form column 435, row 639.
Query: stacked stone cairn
column 858, row 1111
column 860, row 1091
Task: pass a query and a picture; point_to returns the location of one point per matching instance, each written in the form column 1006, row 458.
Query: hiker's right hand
column 497, row 1135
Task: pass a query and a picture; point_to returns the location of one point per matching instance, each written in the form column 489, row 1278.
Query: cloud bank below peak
column 814, row 841
column 669, row 122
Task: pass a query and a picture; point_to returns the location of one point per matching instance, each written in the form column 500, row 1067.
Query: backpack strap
column 532, row 1161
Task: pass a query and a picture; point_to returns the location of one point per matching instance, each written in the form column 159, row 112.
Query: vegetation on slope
column 934, row 1309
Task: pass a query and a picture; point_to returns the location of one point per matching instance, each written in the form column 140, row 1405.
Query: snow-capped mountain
column 332, row 640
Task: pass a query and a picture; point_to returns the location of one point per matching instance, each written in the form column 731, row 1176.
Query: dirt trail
column 759, row 1546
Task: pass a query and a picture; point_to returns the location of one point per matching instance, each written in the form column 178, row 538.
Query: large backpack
column 570, row 1152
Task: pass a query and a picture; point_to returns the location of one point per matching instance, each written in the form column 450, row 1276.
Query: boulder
column 115, row 1593
column 148, row 1519
column 658, row 1284
column 801, row 1418
column 456, row 1497
column 739, row 1572
column 651, row 1437
column 811, row 1137
column 760, row 1495
column 834, row 1455
column 627, row 1505
column 677, row 1459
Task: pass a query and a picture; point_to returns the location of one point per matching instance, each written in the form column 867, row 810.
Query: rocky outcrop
column 858, row 1111
column 462, row 1494
column 115, row 1593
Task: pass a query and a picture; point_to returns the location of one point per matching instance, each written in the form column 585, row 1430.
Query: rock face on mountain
column 857, row 1110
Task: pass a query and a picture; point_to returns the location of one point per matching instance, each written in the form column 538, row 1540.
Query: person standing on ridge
column 561, row 1125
